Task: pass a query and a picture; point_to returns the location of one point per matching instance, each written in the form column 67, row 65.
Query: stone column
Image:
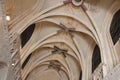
column 6, row 70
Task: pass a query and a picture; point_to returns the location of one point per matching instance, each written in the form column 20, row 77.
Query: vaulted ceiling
column 58, row 37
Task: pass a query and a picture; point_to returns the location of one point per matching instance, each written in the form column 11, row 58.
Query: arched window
column 26, row 35
column 26, row 61
column 96, row 58
column 115, row 27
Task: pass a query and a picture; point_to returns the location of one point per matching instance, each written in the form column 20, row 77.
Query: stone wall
column 113, row 74
column 7, row 69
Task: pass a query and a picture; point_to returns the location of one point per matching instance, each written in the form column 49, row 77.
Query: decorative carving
column 61, row 51
column 15, row 55
column 77, row 2
column 67, row 30
column 74, row 2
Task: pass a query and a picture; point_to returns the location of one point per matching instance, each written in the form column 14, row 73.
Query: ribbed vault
column 56, row 45
column 62, row 39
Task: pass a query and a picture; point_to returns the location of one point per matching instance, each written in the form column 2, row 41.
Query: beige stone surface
column 63, row 41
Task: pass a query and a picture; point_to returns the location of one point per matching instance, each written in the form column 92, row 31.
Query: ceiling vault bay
column 63, row 39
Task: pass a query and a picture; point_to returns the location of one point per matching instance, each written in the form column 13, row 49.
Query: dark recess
column 115, row 27
column 80, row 75
column 77, row 0
column 26, row 35
column 26, row 61
column 96, row 58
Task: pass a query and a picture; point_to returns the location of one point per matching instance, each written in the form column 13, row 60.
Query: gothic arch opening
column 26, row 34
column 115, row 32
column 115, row 27
column 26, row 61
column 96, row 58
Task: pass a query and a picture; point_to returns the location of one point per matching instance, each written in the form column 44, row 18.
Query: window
column 26, row 35
column 26, row 61
column 96, row 58
column 115, row 27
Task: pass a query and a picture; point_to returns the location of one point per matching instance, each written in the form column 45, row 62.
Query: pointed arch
column 115, row 27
